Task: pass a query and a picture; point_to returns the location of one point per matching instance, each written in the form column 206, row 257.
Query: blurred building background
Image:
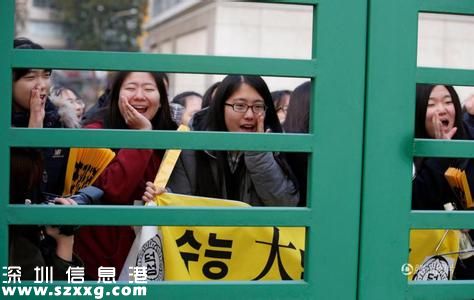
column 113, row 25
column 228, row 28
column 35, row 19
column 446, row 41
column 233, row 28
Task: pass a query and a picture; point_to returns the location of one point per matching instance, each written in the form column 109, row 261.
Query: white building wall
column 446, row 41
column 264, row 30
column 191, row 43
column 236, row 29
column 165, row 47
column 188, row 31
column 40, row 26
column 285, row 31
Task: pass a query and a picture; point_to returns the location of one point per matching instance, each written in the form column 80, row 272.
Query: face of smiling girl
column 22, row 88
column 243, row 121
column 141, row 91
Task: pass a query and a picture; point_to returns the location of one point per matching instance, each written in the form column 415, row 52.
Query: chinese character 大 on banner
column 229, row 253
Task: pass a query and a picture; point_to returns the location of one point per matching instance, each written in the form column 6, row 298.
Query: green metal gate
column 389, row 148
column 363, row 72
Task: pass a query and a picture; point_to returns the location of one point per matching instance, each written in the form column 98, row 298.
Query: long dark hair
column 161, row 121
column 207, row 97
column 24, row 43
column 230, row 84
column 181, row 98
column 297, row 121
column 423, row 92
column 277, row 97
column 215, row 118
column 26, row 169
column 297, row 117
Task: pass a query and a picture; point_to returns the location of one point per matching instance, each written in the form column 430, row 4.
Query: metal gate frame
column 337, row 70
column 389, row 148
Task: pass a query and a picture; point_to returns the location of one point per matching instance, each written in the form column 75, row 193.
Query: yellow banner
column 430, row 255
column 229, row 253
column 167, row 164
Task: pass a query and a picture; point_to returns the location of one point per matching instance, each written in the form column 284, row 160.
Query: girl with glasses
column 241, row 104
column 70, row 106
column 281, row 100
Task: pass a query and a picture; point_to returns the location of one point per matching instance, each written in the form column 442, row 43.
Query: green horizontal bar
column 443, row 148
column 134, row 215
column 96, row 60
column 303, row 2
column 198, row 290
column 441, row 220
column 445, row 76
column 24, row 137
column 442, row 290
column 460, row 7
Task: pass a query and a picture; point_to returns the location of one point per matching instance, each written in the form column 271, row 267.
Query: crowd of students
column 238, row 103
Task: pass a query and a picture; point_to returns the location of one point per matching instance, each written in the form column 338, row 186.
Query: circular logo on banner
column 407, row 269
column 151, row 257
column 434, row 268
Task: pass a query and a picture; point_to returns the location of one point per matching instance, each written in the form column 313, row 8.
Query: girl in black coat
column 439, row 116
column 31, row 246
column 242, row 103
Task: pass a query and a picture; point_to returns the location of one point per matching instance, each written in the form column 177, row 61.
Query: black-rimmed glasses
column 243, row 108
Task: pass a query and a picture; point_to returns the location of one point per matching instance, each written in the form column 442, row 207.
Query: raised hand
column 151, row 191
column 37, row 111
column 438, row 129
column 261, row 122
column 469, row 105
column 64, row 243
column 132, row 117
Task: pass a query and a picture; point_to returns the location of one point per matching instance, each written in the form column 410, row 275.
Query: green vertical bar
column 7, row 23
column 337, row 134
column 389, row 117
column 314, row 46
column 335, row 176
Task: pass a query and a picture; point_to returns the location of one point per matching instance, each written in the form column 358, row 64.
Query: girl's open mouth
column 140, row 109
column 445, row 123
column 249, row 128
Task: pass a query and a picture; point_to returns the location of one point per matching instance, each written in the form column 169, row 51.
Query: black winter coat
column 431, row 190
column 28, row 251
column 55, row 159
